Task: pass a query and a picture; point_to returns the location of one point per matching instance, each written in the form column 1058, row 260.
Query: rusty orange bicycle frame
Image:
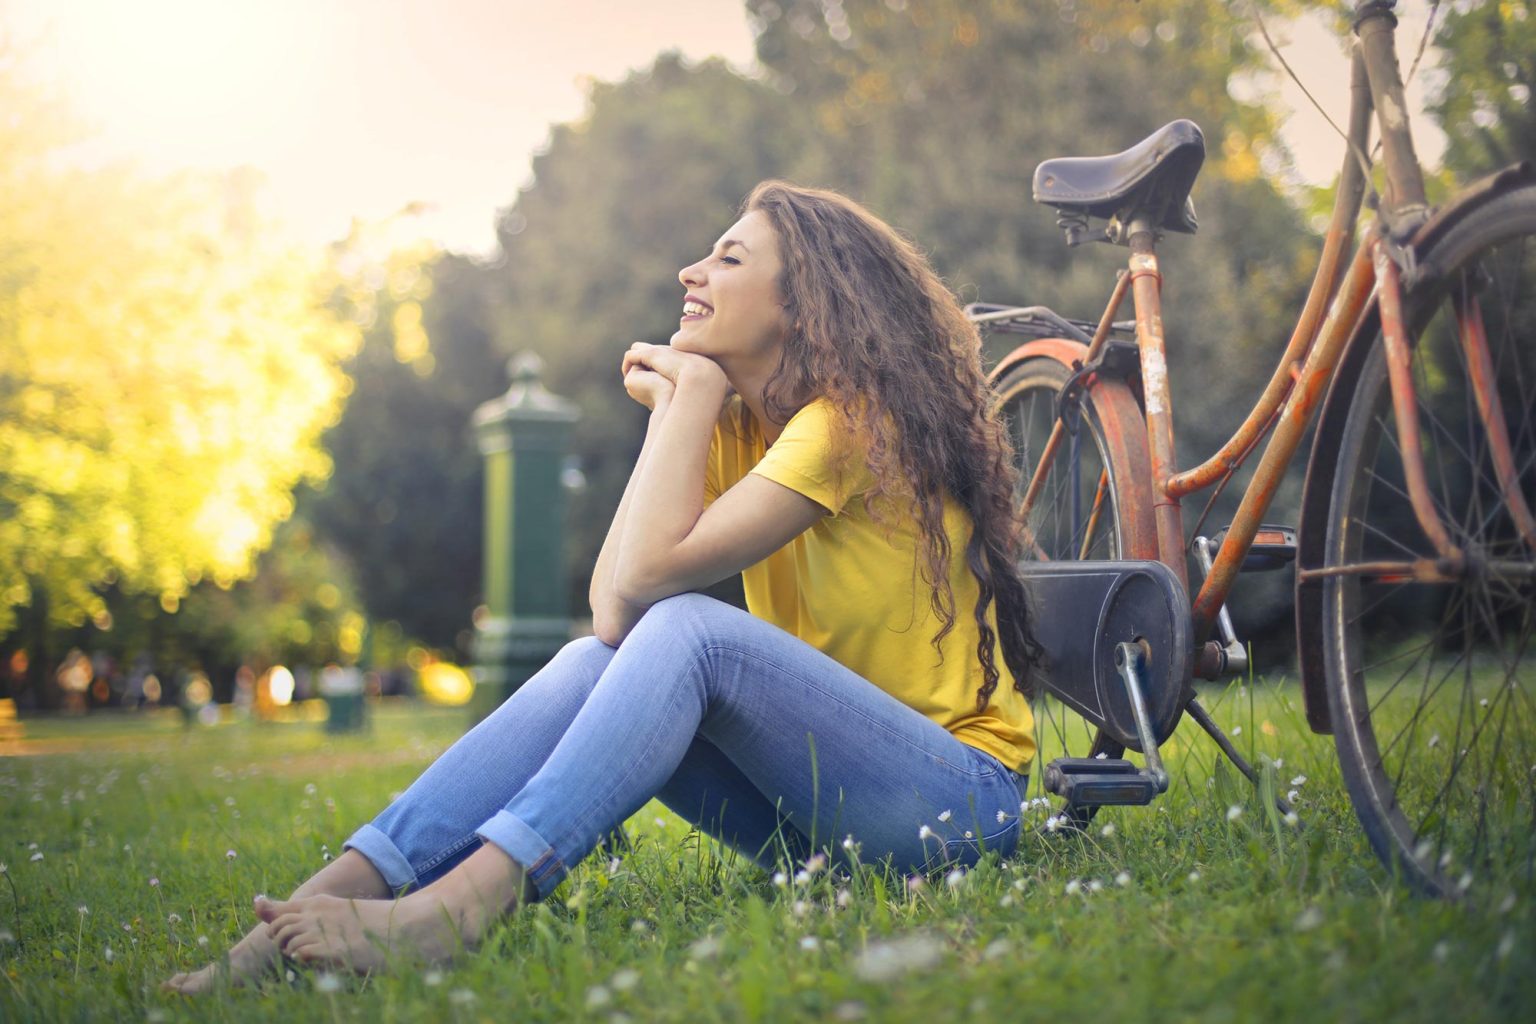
column 1300, row 380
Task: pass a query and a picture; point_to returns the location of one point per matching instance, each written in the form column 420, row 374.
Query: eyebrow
column 726, row 243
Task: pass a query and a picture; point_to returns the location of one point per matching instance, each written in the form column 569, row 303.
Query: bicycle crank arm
column 1098, row 782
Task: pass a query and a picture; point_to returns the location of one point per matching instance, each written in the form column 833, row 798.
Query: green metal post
column 524, row 436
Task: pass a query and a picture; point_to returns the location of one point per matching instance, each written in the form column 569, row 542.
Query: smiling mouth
column 696, row 311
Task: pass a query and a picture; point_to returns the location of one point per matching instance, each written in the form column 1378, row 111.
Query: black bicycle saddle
column 1156, row 173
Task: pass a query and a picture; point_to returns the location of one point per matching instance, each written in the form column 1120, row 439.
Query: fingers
column 646, row 386
column 637, row 355
column 640, row 380
column 660, row 359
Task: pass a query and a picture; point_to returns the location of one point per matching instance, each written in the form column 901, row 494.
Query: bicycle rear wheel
column 1430, row 684
column 1095, row 504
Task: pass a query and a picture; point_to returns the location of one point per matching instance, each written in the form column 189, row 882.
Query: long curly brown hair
column 878, row 334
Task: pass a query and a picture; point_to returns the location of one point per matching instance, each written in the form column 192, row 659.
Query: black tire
column 1026, row 396
column 1429, row 684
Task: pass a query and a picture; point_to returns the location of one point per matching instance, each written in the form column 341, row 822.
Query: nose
column 691, row 275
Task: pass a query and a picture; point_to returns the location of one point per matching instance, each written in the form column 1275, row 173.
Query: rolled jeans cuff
column 384, row 855
column 544, row 870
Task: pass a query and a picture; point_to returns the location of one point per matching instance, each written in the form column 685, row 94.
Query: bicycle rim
column 1429, row 683
column 1078, row 514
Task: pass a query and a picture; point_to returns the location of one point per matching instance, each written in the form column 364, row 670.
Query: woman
column 818, row 421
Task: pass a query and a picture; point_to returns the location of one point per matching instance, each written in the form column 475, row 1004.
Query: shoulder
column 817, row 419
column 810, row 456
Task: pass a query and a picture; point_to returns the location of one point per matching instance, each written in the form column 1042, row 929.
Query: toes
column 269, row 910
column 309, row 952
column 289, row 931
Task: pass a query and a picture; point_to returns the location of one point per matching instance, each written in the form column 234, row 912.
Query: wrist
column 704, row 378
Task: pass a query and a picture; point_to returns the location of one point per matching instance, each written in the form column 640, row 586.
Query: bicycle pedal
column 1089, row 766
column 1097, row 782
column 1273, row 547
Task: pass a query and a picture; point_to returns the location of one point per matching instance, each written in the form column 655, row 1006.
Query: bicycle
column 1415, row 551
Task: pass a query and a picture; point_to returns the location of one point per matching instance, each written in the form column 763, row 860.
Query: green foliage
column 1488, row 68
column 1174, row 911
column 403, row 505
column 300, row 608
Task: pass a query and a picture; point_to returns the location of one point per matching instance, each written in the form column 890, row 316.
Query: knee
column 584, row 647
column 578, row 663
column 688, row 616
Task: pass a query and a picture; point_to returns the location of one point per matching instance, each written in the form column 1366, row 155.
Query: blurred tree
column 403, row 505
column 936, row 112
column 169, row 364
column 299, row 608
column 619, row 201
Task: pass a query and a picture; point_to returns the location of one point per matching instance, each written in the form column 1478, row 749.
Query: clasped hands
column 652, row 373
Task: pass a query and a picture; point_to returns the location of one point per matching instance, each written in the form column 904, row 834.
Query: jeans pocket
column 967, row 851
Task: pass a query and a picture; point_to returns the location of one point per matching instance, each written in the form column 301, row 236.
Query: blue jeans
column 752, row 735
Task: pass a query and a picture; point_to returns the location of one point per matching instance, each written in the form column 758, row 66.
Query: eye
column 732, row 260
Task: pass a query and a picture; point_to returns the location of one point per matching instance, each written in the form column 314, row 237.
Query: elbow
column 632, row 591
column 607, row 630
column 635, row 584
column 611, row 621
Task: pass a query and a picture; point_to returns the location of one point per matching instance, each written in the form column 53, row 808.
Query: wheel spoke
column 1441, row 739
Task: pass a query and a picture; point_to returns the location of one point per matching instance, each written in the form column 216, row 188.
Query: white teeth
column 695, row 309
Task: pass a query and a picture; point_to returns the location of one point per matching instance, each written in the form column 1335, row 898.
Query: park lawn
column 138, row 841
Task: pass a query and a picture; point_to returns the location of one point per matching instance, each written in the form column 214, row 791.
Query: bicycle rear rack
column 1040, row 322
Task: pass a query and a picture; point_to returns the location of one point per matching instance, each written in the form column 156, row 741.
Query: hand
column 675, row 366
column 648, row 387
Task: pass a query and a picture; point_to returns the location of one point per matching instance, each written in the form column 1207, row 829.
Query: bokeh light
column 442, row 683
column 280, row 684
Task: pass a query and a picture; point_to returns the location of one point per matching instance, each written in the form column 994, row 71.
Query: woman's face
column 733, row 310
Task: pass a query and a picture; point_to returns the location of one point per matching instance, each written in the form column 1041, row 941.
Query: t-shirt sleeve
column 801, row 459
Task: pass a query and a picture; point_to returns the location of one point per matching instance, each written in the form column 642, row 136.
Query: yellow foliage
column 411, row 341
column 1239, row 162
column 167, row 364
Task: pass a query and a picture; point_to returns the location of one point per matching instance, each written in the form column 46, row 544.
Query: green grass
column 1175, row 910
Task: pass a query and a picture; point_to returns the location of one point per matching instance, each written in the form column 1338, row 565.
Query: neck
column 749, row 380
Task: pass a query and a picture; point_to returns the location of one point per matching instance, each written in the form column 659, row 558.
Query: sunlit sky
column 358, row 107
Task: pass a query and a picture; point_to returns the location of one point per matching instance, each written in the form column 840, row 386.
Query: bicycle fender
column 1063, row 350
column 1125, row 432
column 1463, row 204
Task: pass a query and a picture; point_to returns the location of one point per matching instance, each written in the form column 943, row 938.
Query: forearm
column 667, row 494
column 612, row 616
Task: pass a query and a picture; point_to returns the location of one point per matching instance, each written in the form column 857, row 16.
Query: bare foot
column 360, row 935
column 433, row 924
column 249, row 958
column 351, row 874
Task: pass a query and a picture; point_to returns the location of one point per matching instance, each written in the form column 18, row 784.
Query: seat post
column 1146, row 293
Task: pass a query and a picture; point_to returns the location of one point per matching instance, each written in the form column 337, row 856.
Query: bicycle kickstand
column 1204, row 720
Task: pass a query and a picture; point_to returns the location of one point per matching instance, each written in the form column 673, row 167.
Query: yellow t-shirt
column 856, row 595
